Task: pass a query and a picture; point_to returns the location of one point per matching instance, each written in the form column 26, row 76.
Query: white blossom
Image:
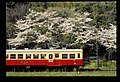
column 84, row 32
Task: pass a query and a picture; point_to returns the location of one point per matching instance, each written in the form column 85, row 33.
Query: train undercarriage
column 43, row 68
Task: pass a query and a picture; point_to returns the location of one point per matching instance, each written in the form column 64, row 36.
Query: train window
column 78, row 55
column 64, row 56
column 56, row 55
column 28, row 56
column 72, row 56
column 43, row 56
column 20, row 56
column 50, row 56
column 35, row 56
column 12, row 56
column 7, row 56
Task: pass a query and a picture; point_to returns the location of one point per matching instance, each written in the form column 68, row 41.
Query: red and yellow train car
column 45, row 57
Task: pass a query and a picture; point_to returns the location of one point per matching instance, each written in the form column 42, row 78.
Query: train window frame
column 42, row 56
column 36, row 57
column 66, row 56
column 12, row 57
column 57, row 55
column 78, row 55
column 7, row 56
column 20, row 57
column 71, row 56
column 29, row 56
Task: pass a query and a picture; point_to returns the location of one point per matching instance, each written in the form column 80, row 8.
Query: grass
column 86, row 73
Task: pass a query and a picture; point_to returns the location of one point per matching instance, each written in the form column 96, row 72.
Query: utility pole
column 97, row 62
column 96, row 44
column 96, row 31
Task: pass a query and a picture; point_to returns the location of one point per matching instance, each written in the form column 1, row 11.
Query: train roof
column 45, row 50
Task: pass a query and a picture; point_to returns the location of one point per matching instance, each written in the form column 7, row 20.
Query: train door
column 50, row 60
column 50, row 57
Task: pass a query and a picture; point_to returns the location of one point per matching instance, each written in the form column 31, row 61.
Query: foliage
column 38, row 9
column 68, row 38
column 88, row 25
column 42, row 30
column 102, row 64
column 10, row 30
column 31, row 37
column 109, row 64
column 104, row 13
column 83, row 7
column 91, row 65
column 39, row 4
column 16, row 10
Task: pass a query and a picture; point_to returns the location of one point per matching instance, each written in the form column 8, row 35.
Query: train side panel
column 47, row 61
column 44, row 62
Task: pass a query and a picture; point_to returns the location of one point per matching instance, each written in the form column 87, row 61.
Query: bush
column 108, row 64
column 102, row 64
column 91, row 65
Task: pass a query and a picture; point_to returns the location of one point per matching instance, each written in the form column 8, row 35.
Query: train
column 39, row 59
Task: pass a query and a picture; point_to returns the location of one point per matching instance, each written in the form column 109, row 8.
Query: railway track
column 98, row 70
